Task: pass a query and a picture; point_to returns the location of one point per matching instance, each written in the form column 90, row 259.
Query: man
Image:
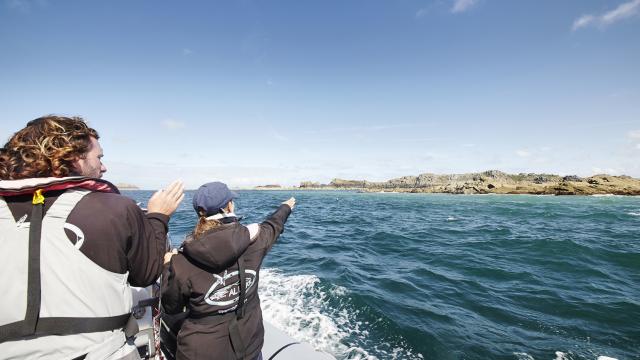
column 70, row 245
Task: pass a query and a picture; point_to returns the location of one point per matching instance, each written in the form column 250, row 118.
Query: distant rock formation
column 492, row 182
column 270, row 186
column 125, row 186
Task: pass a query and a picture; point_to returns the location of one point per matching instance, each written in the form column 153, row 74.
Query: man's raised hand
column 166, row 201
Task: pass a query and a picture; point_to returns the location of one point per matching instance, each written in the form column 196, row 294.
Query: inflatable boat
column 157, row 338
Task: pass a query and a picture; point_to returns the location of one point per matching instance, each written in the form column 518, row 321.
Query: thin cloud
column 623, row 11
column 523, row 153
column 172, row 124
column 462, row 5
column 21, row 5
column 583, row 21
column 368, row 128
column 609, row 171
column 24, row 6
column 187, row 52
column 635, row 135
column 422, row 12
column 276, row 135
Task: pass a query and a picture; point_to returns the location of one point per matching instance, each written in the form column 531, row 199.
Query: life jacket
column 56, row 302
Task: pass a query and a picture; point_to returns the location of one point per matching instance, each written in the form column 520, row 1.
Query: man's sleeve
column 147, row 245
column 273, row 226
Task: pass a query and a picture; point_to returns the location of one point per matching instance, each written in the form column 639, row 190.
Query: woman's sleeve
column 174, row 292
column 273, row 226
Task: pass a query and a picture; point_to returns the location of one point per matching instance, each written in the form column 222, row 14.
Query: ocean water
column 423, row 276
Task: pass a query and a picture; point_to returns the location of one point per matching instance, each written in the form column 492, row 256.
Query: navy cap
column 212, row 197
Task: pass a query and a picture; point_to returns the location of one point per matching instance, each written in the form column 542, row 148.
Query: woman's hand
column 291, row 202
column 166, row 201
column 168, row 255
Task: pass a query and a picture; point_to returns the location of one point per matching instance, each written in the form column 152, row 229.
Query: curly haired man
column 71, row 245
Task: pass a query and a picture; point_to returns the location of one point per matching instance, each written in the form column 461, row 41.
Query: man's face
column 91, row 164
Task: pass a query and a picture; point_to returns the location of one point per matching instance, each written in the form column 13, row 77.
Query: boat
column 156, row 338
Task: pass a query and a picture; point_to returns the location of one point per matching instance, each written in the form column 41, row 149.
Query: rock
column 125, row 186
column 493, row 181
column 573, row 178
column 349, row 184
column 270, row 186
column 309, row 184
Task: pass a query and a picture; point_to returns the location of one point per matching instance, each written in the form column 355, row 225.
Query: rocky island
column 125, row 186
column 269, row 187
column 492, row 182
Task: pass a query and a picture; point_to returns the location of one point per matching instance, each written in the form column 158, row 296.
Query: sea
column 437, row 276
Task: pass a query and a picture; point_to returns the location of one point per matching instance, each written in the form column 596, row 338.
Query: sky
column 278, row 92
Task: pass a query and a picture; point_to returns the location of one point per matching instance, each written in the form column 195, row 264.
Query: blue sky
column 262, row 92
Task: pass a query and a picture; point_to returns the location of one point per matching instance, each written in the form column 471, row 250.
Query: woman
column 225, row 320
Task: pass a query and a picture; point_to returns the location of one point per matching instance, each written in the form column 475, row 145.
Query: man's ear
column 75, row 166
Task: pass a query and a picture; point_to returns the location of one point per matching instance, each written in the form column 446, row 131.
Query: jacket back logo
column 221, row 294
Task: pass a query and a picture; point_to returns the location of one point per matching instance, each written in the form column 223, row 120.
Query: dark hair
column 47, row 146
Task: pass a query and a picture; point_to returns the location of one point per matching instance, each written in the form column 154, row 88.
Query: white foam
column 451, row 218
column 292, row 304
column 339, row 291
column 523, row 356
column 299, row 307
column 634, row 213
column 559, row 356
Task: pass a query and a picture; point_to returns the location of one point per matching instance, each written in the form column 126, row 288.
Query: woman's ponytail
column 203, row 225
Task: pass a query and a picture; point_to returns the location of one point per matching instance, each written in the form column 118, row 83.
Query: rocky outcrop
column 493, row 182
column 310, row 185
column 269, row 187
column 125, row 186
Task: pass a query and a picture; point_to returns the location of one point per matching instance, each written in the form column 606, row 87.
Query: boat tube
column 277, row 344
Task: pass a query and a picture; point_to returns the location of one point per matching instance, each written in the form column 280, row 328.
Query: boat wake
column 559, row 356
column 302, row 308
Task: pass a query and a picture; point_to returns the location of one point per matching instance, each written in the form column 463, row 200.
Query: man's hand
column 291, row 202
column 166, row 201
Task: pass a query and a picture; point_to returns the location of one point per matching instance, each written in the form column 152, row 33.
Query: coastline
column 404, row 191
column 487, row 182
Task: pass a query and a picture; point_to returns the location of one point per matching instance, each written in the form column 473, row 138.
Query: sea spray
column 307, row 311
column 293, row 304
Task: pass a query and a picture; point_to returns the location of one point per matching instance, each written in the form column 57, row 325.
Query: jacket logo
column 221, row 294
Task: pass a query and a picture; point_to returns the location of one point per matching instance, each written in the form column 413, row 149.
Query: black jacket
column 198, row 280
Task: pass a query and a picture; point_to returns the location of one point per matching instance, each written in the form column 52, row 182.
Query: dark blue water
column 410, row 276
